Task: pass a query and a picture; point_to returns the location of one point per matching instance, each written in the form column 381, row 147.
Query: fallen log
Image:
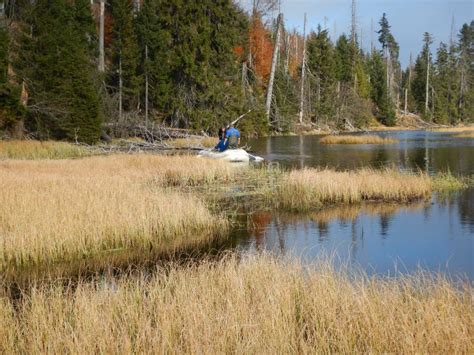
column 152, row 133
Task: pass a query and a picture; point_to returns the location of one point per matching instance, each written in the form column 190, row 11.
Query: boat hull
column 231, row 155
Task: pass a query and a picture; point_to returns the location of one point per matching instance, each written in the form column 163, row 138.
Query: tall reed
column 56, row 210
column 311, row 188
column 365, row 139
column 32, row 150
column 261, row 305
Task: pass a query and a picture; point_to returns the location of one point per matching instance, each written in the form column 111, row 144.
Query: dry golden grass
column 310, row 188
column 365, row 139
column 205, row 142
column 31, row 150
column 458, row 129
column 469, row 134
column 262, row 305
column 65, row 209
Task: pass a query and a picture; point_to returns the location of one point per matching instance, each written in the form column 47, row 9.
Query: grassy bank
column 457, row 129
column 66, row 209
column 365, row 139
column 61, row 210
column 260, row 306
column 469, row 135
column 307, row 189
column 32, row 150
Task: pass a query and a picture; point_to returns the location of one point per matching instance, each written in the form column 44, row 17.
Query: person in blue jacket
column 232, row 138
column 221, row 145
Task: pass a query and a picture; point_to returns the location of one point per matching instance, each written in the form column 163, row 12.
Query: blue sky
column 409, row 19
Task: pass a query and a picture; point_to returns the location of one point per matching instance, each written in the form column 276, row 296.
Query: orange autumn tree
column 261, row 47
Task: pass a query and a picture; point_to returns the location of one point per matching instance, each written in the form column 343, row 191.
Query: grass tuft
column 444, row 182
column 60, row 210
column 262, row 305
column 307, row 189
column 365, row 139
column 469, row 135
column 457, row 129
column 204, row 142
column 33, row 150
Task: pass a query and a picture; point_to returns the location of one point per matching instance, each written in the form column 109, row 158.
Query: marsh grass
column 32, row 150
column 307, row 189
column 363, row 139
column 458, row 129
column 445, row 182
column 53, row 211
column 469, row 135
column 262, row 305
column 204, row 142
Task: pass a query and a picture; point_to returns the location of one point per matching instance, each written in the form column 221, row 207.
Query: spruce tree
column 55, row 62
column 11, row 110
column 344, row 60
column 466, row 68
column 155, row 38
column 390, row 51
column 124, row 52
column 446, row 86
column 379, row 90
column 322, row 67
column 423, row 74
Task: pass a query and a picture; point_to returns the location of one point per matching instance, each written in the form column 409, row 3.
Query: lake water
column 437, row 235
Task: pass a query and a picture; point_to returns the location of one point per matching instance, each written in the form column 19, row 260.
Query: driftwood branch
column 153, row 133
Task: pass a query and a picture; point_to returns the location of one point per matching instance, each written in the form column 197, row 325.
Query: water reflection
column 436, row 234
column 428, row 151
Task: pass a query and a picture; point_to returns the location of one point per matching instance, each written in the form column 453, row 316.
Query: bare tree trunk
column 297, row 40
column 353, row 23
column 101, row 36
column 406, row 102
column 303, row 69
column 273, row 69
column 372, row 35
column 388, row 72
column 427, row 81
column 451, row 36
column 410, row 68
column 432, row 103
column 287, row 59
column 120, row 87
column 146, row 85
column 137, row 5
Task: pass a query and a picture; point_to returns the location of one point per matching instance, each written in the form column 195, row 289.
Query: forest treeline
column 70, row 69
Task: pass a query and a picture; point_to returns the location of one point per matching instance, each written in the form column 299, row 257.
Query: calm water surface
column 384, row 239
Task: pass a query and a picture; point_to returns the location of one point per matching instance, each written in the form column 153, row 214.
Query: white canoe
column 231, row 155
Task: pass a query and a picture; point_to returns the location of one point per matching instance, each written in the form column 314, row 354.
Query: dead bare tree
column 101, row 36
column 303, row 69
column 265, row 7
column 276, row 50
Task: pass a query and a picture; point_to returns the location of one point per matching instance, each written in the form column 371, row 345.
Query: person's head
column 221, row 132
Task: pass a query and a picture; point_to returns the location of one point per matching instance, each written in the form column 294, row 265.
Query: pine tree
column 422, row 77
column 379, row 91
column 322, row 69
column 466, row 68
column 124, row 54
column 154, row 36
column 10, row 109
column 441, row 87
column 55, row 61
column 390, row 51
column 343, row 60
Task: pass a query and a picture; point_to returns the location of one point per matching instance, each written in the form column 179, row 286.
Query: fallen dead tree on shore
column 152, row 133
column 131, row 146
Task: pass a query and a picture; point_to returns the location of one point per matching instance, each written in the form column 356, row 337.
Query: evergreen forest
column 71, row 69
